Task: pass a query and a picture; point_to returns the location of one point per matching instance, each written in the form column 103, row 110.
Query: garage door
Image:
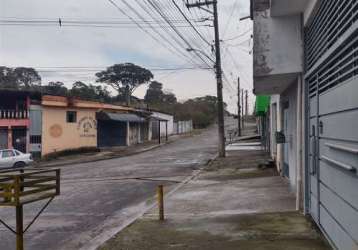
column 111, row 133
column 331, row 41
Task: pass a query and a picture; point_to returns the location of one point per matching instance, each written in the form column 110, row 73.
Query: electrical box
column 280, row 137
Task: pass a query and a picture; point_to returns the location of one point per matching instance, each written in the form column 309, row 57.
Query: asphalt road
column 98, row 198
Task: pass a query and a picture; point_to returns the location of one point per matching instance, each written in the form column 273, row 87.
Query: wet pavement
column 99, row 198
column 235, row 203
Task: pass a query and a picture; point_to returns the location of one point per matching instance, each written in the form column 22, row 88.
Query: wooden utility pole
column 238, row 107
column 219, row 80
column 246, row 103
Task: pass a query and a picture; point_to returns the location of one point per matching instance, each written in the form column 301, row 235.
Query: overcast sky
column 55, row 46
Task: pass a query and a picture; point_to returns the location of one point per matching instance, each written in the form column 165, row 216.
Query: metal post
column 19, row 228
column 166, row 130
column 160, row 195
column 159, row 131
column 246, row 103
column 238, row 107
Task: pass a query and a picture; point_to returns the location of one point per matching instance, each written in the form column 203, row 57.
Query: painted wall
column 59, row 135
column 278, row 50
column 275, row 109
column 170, row 119
column 290, row 96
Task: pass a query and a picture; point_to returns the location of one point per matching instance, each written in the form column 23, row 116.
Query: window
column 71, row 116
column 7, row 153
column 35, row 139
column 17, row 152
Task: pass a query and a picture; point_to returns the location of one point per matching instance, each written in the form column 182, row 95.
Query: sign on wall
column 87, row 126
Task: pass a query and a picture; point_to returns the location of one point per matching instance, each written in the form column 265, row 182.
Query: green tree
column 155, row 94
column 90, row 92
column 19, row 78
column 125, row 75
column 55, row 88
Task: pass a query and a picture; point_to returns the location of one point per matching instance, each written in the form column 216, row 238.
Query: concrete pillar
column 9, row 137
column 279, row 160
column 299, row 167
column 127, row 137
column 150, row 125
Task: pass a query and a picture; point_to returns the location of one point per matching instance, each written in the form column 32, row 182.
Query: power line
column 158, row 9
column 166, row 29
column 186, row 18
column 238, row 36
column 142, row 28
column 231, row 15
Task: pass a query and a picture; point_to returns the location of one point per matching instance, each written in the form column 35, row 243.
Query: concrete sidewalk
column 235, row 203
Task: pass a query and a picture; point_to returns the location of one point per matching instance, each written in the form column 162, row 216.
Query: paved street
column 98, row 198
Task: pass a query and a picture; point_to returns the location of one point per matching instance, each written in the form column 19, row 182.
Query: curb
column 102, row 158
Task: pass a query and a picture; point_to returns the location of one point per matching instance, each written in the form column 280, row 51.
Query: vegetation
column 125, row 78
column 19, row 78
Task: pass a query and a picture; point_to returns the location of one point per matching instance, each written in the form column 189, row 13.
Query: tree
column 90, row 92
column 125, row 75
column 55, row 88
column 7, row 80
column 169, row 98
column 27, row 78
column 19, row 78
column 155, row 94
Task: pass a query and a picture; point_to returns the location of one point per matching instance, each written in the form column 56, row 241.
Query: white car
column 12, row 158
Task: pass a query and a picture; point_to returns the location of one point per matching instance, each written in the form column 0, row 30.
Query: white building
column 306, row 58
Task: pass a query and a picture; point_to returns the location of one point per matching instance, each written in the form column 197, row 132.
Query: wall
column 170, row 119
column 275, row 105
column 309, row 10
column 278, row 50
column 182, row 127
column 59, row 135
column 134, row 133
column 290, row 95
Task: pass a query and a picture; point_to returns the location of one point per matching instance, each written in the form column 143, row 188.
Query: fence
column 14, row 114
column 182, row 127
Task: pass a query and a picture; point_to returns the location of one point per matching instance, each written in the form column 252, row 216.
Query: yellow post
column 160, row 195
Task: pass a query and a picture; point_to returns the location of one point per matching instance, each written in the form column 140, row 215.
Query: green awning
column 262, row 105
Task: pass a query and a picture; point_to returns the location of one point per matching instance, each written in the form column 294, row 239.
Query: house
column 305, row 58
column 15, row 119
column 70, row 123
column 162, row 123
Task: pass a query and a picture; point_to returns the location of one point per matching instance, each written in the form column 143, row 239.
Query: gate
column 111, row 133
column 19, row 139
column 331, row 41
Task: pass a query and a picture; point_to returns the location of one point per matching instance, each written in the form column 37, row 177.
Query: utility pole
column 246, row 103
column 238, row 107
column 219, row 80
column 242, row 109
